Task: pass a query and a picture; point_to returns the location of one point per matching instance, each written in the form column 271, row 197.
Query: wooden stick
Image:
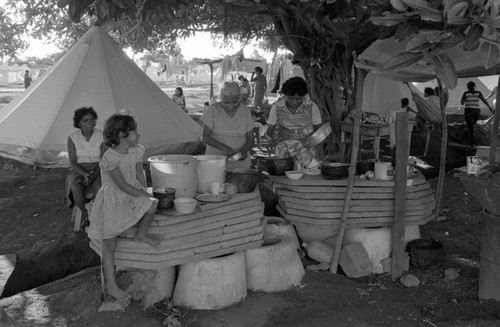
column 444, row 144
column 398, row 228
column 361, row 74
column 496, row 120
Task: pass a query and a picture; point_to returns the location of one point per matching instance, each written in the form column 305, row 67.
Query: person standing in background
column 260, row 86
column 470, row 99
column 27, row 79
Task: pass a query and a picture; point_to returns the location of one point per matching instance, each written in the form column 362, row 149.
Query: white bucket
column 210, row 168
column 384, row 171
column 175, row 171
column 474, row 164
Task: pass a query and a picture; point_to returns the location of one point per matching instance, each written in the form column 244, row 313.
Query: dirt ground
column 34, row 218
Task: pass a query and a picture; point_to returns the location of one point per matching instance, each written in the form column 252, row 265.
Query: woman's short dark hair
column 82, row 112
column 180, row 89
column 114, row 125
column 429, row 91
column 259, row 69
column 295, row 85
column 471, row 85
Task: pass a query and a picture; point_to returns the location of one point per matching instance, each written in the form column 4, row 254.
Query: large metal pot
column 317, row 137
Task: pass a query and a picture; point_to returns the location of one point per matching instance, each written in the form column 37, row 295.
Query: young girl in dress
column 122, row 200
column 180, row 99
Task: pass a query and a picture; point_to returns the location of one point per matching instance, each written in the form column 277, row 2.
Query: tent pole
column 444, row 144
column 496, row 120
column 360, row 79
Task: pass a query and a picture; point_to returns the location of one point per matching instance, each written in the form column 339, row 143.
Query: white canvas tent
column 95, row 72
column 383, row 95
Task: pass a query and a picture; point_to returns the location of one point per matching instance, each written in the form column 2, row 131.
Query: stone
column 409, row 280
column 151, row 286
column 7, row 265
column 354, row 261
column 319, row 251
column 451, row 274
column 273, row 267
column 331, row 241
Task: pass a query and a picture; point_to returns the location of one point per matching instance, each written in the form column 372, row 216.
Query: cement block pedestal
column 378, row 241
column 211, row 284
column 151, row 286
column 273, row 267
column 277, row 227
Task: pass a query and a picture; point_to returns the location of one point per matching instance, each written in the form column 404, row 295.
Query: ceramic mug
column 230, row 189
column 216, row 188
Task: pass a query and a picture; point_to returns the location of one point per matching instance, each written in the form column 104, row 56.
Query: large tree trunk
column 324, row 48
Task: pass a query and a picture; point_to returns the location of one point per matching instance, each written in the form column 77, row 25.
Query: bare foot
column 148, row 240
column 119, row 295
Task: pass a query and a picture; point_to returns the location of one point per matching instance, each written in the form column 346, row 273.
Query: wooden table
column 372, row 130
column 214, row 229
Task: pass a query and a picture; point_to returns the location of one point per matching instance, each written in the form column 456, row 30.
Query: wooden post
column 398, row 228
column 496, row 120
column 360, row 78
column 211, row 80
column 444, row 144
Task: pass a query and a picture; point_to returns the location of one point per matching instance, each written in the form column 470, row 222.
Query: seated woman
column 295, row 116
column 228, row 127
column 85, row 149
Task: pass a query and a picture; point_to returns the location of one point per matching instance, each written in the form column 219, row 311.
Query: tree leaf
column 489, row 54
column 445, row 70
column 448, row 4
column 474, row 32
column 388, row 19
column 399, row 5
column 422, row 5
column 457, row 10
column 471, row 47
column 404, row 30
column 402, row 61
column 431, row 17
column 416, row 42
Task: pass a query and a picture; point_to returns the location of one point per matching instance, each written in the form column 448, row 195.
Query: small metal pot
column 278, row 166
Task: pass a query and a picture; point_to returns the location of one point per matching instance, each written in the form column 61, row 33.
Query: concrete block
column 211, row 284
column 273, row 267
column 354, row 261
column 151, row 286
column 378, row 242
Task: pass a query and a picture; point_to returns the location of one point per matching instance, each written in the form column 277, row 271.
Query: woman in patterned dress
column 122, row 200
